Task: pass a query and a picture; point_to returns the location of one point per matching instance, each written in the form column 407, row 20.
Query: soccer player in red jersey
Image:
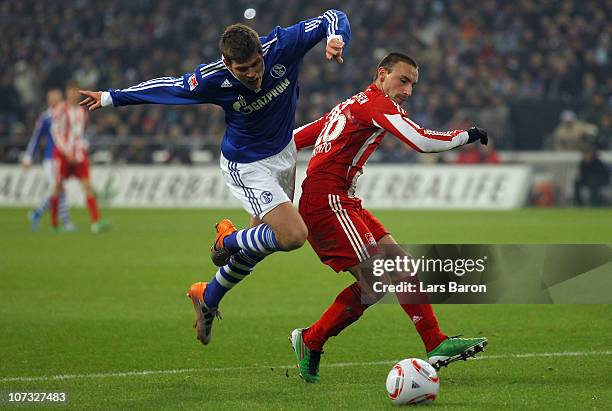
column 70, row 156
column 342, row 233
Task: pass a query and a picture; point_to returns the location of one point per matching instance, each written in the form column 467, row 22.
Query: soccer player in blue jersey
column 42, row 131
column 256, row 83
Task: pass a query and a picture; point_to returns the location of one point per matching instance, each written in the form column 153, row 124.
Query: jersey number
column 332, row 129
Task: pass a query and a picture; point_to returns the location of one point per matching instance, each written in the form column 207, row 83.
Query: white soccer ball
column 250, row 14
column 412, row 381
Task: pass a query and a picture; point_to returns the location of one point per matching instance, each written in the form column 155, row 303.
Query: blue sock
column 43, row 207
column 258, row 240
column 239, row 267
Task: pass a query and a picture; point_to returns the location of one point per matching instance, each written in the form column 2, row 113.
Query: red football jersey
column 345, row 138
column 68, row 130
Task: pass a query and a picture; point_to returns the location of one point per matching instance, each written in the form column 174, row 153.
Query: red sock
column 54, row 205
column 426, row 323
column 345, row 310
column 94, row 213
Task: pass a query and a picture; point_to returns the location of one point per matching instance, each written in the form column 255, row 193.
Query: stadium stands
column 501, row 65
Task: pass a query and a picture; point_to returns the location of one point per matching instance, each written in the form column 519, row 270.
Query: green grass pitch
column 105, row 319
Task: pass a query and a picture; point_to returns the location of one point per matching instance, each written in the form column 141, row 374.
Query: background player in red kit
column 70, row 155
column 341, row 232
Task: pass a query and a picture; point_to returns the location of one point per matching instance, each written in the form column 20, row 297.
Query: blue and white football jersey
column 259, row 124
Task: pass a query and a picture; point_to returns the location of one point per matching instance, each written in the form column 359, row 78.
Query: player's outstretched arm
column 432, row 141
column 428, row 141
column 186, row 89
column 386, row 114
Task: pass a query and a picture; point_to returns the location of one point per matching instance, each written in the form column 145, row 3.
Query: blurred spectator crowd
column 535, row 74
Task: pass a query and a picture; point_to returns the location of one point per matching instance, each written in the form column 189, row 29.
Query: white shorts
column 262, row 185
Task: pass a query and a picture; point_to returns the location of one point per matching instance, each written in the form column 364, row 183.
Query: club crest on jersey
column 266, row 197
column 193, row 82
column 278, row 70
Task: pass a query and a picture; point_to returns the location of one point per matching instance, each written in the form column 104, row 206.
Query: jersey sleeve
column 43, row 126
column 389, row 116
column 307, row 135
column 298, row 39
column 190, row 88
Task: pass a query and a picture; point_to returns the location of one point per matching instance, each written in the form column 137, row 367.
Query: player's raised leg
column 245, row 249
column 421, row 315
column 282, row 229
column 265, row 189
column 441, row 349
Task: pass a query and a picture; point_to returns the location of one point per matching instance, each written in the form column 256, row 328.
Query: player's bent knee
column 293, row 242
column 293, row 238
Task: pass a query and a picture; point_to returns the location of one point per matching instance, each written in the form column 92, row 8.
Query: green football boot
column 308, row 360
column 100, row 227
column 454, row 349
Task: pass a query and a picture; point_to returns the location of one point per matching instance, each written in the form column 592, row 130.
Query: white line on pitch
column 251, row 367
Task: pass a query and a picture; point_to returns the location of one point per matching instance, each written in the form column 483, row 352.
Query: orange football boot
column 204, row 314
column 218, row 253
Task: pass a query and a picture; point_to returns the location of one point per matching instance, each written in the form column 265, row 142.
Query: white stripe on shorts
column 348, row 227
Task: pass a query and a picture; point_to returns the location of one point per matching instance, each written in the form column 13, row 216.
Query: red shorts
column 65, row 169
column 340, row 231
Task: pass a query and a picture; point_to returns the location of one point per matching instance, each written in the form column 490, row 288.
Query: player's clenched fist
column 93, row 99
column 334, row 50
column 477, row 133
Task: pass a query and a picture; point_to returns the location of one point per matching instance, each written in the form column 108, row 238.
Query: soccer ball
column 412, row 381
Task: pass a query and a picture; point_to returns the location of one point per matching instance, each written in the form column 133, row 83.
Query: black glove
column 477, row 133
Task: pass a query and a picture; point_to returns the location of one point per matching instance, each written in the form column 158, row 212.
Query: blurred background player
column 593, row 177
column 42, row 131
column 70, row 155
column 342, row 233
column 256, row 83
